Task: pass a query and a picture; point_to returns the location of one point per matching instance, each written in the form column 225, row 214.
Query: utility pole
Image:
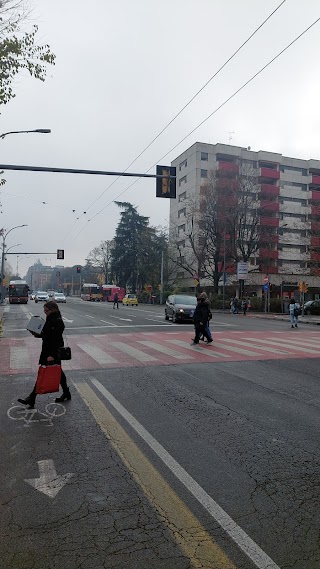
column 161, row 279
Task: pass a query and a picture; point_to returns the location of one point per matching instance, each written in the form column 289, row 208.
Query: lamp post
column 4, row 236
column 224, row 269
column 38, row 130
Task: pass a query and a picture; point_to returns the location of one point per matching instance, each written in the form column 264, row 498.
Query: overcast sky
column 123, row 69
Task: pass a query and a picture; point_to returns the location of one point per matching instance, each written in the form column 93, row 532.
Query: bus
column 108, row 292
column 92, row 292
column 18, row 292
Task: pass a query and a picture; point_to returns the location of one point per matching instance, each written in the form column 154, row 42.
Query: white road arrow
column 66, row 319
column 49, row 482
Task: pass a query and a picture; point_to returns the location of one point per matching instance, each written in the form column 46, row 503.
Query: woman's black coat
column 52, row 338
column 201, row 314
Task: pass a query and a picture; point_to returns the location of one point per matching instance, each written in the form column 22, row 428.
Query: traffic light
column 78, row 269
column 305, row 287
column 58, row 274
column 166, row 185
column 301, row 287
column 60, row 253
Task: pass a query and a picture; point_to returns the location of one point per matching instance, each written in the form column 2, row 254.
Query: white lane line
column 286, row 344
column 137, row 326
column 99, row 355
column 259, row 558
column 134, row 352
column 208, row 352
column 19, row 358
column 236, row 350
column 254, row 345
column 165, row 350
column 88, row 316
column 106, row 322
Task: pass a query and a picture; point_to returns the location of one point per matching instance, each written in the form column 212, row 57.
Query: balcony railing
column 270, row 189
column 270, row 221
column 269, row 173
column 315, row 179
column 228, row 167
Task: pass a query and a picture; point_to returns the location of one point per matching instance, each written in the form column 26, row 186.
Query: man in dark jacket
column 201, row 318
column 116, row 300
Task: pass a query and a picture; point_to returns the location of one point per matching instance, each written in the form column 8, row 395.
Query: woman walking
column 201, row 319
column 52, row 340
column 294, row 310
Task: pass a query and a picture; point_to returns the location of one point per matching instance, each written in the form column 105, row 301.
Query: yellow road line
column 193, row 539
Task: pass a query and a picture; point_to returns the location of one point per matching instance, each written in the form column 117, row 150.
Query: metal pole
column 224, row 269
column 161, row 279
column 2, row 269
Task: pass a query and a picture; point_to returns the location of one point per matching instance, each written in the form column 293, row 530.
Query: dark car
column 312, row 307
column 180, row 307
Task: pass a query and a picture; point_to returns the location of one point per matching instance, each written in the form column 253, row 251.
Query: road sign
column 266, row 279
column 242, row 270
column 195, row 282
column 266, row 286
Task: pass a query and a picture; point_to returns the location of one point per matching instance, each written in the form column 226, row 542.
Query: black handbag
column 64, row 353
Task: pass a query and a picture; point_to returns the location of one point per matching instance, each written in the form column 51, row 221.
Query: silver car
column 59, row 297
column 41, row 296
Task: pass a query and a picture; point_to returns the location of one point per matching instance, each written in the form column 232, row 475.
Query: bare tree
column 100, row 258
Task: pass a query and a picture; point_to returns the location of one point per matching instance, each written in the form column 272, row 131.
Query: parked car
column 312, row 307
column 180, row 307
column 130, row 300
column 59, row 297
column 41, row 296
column 51, row 293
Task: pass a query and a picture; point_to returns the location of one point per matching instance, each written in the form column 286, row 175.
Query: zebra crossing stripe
column 99, row 355
column 165, row 350
column 208, row 352
column 133, row 352
column 262, row 348
column 19, row 358
column 285, row 343
column 236, row 350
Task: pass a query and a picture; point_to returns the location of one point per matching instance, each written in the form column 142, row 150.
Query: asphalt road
column 168, row 456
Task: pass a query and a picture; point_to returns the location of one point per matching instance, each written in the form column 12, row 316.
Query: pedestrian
column 201, row 318
column 116, row 300
column 235, row 306
column 52, row 340
column 207, row 328
column 294, row 311
column 244, row 306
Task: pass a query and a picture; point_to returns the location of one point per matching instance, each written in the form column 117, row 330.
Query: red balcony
column 314, row 256
column 269, row 173
column 315, row 195
column 228, row 167
column 266, row 254
column 269, row 221
column 315, row 179
column 270, row 190
column 269, row 206
column 315, row 241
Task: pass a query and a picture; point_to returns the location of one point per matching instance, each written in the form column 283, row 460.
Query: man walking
column 116, row 300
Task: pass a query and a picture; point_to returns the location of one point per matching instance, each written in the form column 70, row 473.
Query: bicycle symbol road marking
column 19, row 413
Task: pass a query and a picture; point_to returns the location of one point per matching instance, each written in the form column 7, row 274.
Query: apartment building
column 289, row 193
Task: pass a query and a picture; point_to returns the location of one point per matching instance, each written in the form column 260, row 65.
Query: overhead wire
column 209, row 116
column 188, row 103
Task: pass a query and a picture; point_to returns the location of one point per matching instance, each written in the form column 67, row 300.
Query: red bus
column 108, row 292
column 18, row 292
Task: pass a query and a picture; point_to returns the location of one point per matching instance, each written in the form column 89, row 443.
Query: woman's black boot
column 27, row 401
column 66, row 396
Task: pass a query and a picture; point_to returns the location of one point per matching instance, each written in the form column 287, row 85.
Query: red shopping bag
column 48, row 380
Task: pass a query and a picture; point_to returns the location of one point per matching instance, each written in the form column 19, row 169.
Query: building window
column 180, row 274
column 181, row 244
column 182, row 196
column 180, row 260
column 302, row 187
column 183, row 164
column 182, row 228
column 204, row 173
column 302, row 171
column 182, row 180
column 181, row 212
column 204, row 156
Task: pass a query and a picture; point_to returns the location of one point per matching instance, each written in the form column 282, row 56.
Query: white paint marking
column 88, row 316
column 110, row 323
column 136, row 354
column 260, row 559
column 236, row 350
column 19, row 358
column 66, row 319
column 165, row 350
column 253, row 345
column 284, row 343
column 49, row 483
column 99, row 355
column 207, row 351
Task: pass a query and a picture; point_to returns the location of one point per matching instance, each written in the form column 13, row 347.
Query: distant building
column 290, row 190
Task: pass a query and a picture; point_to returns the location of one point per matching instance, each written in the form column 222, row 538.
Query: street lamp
column 4, row 236
column 39, row 130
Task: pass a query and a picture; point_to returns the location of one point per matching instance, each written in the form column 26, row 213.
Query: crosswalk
column 102, row 351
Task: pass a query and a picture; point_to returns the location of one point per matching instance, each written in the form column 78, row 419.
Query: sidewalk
column 285, row 317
